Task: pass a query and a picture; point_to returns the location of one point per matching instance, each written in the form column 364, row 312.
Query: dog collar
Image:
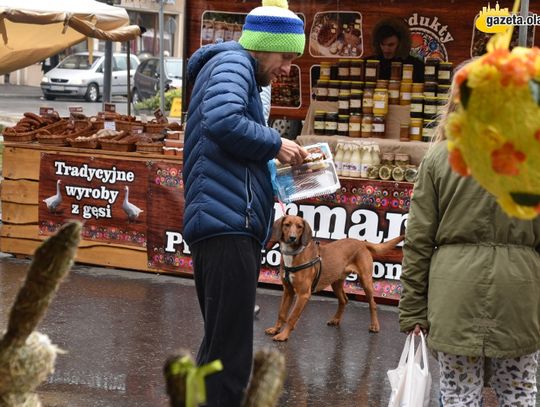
column 294, row 252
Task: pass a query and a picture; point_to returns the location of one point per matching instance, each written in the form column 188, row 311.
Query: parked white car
column 75, row 76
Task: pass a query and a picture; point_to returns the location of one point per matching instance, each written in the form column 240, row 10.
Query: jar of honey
column 381, row 83
column 355, row 102
column 380, row 102
column 378, row 126
column 325, row 70
column 343, row 102
column 417, row 107
column 395, row 71
column 367, row 101
column 404, row 131
column 367, row 121
column 407, row 73
column 355, row 125
column 331, row 124
column 417, row 89
column 333, row 91
column 393, row 92
column 372, row 70
column 441, row 104
column 343, row 70
column 430, row 69
column 428, row 130
column 415, row 129
column 430, row 108
column 405, row 93
column 443, row 90
column 319, row 122
column 356, row 70
column 430, row 89
column 444, row 76
column 343, row 125
column 322, row 90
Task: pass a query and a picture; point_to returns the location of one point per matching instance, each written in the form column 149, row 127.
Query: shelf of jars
column 353, row 100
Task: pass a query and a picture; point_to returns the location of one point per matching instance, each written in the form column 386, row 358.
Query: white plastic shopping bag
column 410, row 380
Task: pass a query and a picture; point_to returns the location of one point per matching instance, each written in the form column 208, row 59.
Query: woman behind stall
column 391, row 42
column 471, row 278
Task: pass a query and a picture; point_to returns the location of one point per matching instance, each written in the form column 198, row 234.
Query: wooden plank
column 20, row 191
column 98, row 153
column 19, row 213
column 20, row 163
column 97, row 255
column 31, row 232
column 20, row 231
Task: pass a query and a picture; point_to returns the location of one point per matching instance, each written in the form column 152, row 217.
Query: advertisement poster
column 370, row 210
column 363, row 209
column 166, row 249
column 218, row 26
column 108, row 196
column 480, row 39
column 336, row 35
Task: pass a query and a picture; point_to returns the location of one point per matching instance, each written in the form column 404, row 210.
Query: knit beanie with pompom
column 273, row 28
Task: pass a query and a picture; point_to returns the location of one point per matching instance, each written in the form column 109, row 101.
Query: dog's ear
column 277, row 230
column 307, row 234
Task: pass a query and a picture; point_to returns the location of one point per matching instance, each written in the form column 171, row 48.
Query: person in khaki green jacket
column 471, row 280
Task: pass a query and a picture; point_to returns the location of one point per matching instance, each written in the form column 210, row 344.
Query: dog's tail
column 382, row 248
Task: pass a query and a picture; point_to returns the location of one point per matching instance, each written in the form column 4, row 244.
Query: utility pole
column 161, row 60
column 523, row 28
column 107, row 69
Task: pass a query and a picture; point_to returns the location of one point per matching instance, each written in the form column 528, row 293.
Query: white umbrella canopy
column 32, row 30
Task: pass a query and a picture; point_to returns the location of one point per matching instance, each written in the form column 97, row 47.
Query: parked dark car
column 146, row 80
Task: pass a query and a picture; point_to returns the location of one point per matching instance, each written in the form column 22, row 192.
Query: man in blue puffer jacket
column 228, row 192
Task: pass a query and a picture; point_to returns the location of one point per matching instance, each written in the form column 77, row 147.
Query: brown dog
column 308, row 268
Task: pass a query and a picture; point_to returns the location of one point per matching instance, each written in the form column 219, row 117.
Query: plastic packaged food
column 314, row 177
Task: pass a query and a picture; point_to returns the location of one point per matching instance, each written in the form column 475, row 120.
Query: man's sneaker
column 256, row 310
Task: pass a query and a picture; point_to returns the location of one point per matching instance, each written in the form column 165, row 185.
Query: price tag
column 75, row 109
column 46, row 111
column 110, row 107
column 73, row 112
column 158, row 114
column 109, row 125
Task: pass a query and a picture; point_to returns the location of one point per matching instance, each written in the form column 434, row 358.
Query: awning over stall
column 32, row 30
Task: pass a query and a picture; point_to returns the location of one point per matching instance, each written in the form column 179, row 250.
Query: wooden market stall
column 367, row 209
column 21, row 233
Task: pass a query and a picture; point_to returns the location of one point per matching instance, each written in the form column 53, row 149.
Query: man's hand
column 291, row 153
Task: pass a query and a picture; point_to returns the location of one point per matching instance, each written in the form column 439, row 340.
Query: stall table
column 95, row 185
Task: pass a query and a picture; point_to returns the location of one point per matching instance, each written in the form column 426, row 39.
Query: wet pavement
column 119, row 326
